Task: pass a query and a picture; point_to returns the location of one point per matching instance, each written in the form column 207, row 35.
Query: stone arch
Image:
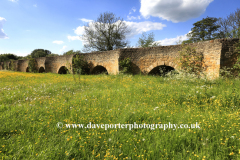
column 160, row 63
column 63, row 70
column 161, row 70
column 27, row 69
column 41, row 70
column 99, row 70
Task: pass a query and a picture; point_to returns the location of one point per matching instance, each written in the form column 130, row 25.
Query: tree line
column 109, row 32
column 34, row 54
column 215, row 28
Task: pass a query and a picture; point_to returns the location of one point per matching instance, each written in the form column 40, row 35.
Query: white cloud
column 80, row 30
column 133, row 9
column 73, row 38
column 2, row 34
column 174, row 10
column 172, row 41
column 135, row 27
column 139, row 27
column 58, row 42
column 34, row 5
column 86, row 20
column 22, row 53
column 63, row 49
column 13, row 0
column 133, row 18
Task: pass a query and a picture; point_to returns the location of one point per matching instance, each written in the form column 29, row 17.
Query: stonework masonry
column 217, row 55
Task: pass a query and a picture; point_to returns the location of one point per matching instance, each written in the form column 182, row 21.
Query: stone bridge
column 217, row 54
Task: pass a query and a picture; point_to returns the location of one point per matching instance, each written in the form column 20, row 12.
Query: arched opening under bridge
column 41, row 70
column 63, row 70
column 161, row 70
column 99, row 70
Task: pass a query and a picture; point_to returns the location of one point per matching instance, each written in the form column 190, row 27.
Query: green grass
column 31, row 105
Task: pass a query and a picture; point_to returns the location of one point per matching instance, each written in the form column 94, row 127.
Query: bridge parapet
column 217, row 54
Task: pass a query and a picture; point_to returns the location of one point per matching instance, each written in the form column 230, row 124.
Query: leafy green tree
column 8, row 57
column 52, row 55
column 40, row 53
column 108, row 32
column 147, row 41
column 230, row 26
column 3, row 58
column 28, row 56
column 72, row 52
column 206, row 29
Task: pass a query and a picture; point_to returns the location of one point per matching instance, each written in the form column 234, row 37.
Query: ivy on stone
column 191, row 61
column 32, row 65
column 11, row 65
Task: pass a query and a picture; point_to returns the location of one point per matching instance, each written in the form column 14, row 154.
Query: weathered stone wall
column 1, row 66
column 228, row 53
column 41, row 62
column 53, row 64
column 217, row 54
column 107, row 59
column 212, row 52
column 22, row 65
column 6, row 65
column 145, row 59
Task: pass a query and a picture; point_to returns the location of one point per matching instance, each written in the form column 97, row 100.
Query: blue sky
column 56, row 25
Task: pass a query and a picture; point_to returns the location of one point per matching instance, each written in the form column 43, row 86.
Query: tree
column 40, row 53
column 206, row 29
column 8, row 57
column 72, row 52
column 230, row 26
column 28, row 56
column 108, row 32
column 52, row 55
column 149, row 41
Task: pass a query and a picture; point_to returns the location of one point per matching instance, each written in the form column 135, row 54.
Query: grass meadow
column 32, row 104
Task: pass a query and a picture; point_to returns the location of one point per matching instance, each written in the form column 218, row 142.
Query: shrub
column 32, row 65
column 125, row 65
column 11, row 65
column 80, row 66
column 236, row 66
